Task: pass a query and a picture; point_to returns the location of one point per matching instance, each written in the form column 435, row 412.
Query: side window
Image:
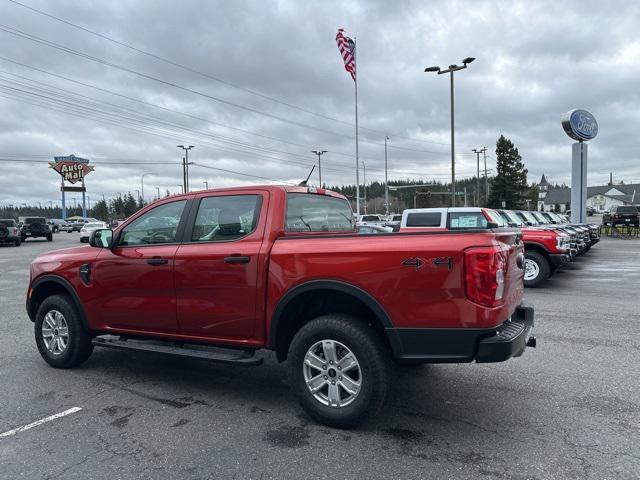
column 424, row 219
column 158, row 225
column 225, row 218
column 467, row 220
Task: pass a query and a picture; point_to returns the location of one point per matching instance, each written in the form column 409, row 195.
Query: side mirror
column 492, row 225
column 101, row 238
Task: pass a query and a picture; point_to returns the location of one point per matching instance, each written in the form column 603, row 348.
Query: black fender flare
column 536, row 246
column 335, row 285
column 64, row 283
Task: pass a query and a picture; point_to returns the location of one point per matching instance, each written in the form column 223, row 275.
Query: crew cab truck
column 219, row 274
column 545, row 250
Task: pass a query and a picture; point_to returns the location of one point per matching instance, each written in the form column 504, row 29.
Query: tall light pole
column 185, row 167
column 450, row 70
column 206, row 184
column 386, row 179
column 142, row 183
column 364, row 184
column 319, row 153
column 158, row 190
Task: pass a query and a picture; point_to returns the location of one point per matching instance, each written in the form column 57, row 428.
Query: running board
column 200, row 352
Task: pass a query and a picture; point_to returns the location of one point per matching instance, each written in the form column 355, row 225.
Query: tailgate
column 513, row 247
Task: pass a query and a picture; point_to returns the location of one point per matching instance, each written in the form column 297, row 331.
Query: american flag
column 347, row 49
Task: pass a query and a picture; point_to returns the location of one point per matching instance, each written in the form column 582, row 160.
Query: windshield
column 555, row 217
column 370, row 218
column 627, row 210
column 539, row 217
column 512, row 217
column 530, row 218
column 318, row 213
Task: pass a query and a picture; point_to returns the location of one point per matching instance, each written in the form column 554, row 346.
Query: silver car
column 88, row 228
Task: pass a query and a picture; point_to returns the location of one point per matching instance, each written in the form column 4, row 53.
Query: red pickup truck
column 219, row 274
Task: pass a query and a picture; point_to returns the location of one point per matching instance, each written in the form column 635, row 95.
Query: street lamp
column 364, row 181
column 158, row 190
column 142, row 184
column 319, row 153
column 450, row 70
column 185, row 167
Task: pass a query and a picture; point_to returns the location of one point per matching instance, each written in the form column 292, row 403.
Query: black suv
column 35, row 227
column 621, row 215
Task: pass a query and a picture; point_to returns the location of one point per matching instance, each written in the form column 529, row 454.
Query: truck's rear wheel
column 536, row 269
column 339, row 370
column 60, row 336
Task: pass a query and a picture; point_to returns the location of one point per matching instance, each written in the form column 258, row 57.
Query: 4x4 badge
column 418, row 262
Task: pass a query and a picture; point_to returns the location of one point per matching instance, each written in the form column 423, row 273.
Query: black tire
column 23, row 238
column 542, row 267
column 49, row 237
column 373, row 358
column 79, row 346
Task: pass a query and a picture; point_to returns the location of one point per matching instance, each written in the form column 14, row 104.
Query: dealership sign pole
column 581, row 126
column 72, row 169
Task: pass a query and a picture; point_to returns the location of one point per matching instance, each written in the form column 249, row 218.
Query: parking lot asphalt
column 568, row 409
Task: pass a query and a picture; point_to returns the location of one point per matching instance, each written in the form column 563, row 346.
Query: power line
column 211, row 77
column 138, row 119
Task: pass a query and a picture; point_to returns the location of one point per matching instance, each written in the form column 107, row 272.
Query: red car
column 283, row 268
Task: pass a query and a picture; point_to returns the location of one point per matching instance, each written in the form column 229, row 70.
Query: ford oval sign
column 580, row 125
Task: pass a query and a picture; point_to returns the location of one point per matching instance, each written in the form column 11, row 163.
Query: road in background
column 568, row 409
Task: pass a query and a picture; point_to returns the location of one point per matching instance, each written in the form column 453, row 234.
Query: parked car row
column 390, row 223
column 549, row 239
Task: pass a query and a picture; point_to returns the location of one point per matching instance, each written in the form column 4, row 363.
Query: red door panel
column 137, row 290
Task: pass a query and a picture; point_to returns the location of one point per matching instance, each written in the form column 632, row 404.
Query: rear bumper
column 463, row 345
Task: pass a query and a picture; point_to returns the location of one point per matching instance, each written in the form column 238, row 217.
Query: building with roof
column 601, row 198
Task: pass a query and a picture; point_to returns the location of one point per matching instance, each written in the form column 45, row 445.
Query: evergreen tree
column 510, row 183
column 100, row 211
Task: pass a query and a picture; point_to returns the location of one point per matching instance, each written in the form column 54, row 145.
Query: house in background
column 600, row 198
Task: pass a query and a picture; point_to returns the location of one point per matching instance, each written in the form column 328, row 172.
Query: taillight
column 484, row 275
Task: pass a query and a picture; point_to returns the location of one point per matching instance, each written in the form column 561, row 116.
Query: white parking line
column 40, row 422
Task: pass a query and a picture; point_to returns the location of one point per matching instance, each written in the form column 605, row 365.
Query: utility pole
column 319, row 153
column 185, row 167
column 477, row 152
column 450, row 70
column 386, row 179
column 158, row 190
column 486, row 178
column 206, row 184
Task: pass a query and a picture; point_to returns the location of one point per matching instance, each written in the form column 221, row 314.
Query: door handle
column 237, row 259
column 157, row 261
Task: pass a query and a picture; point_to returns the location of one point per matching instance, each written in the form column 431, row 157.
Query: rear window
column 467, row 220
column 397, row 218
column 627, row 210
column 318, row 213
column 424, row 219
column 29, row 221
column 8, row 223
column 370, row 218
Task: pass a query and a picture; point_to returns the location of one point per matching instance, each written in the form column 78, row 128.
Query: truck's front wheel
column 536, row 269
column 339, row 370
column 60, row 336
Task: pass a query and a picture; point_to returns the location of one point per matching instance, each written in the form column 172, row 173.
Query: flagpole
column 355, row 62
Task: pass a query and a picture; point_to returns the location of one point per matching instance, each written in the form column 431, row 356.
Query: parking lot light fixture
column 450, row 70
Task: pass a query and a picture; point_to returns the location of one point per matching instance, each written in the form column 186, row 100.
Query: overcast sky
column 264, row 84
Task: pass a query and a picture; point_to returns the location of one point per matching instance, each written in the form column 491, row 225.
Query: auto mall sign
column 72, row 169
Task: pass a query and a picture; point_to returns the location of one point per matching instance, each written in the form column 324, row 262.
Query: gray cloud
column 535, row 60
